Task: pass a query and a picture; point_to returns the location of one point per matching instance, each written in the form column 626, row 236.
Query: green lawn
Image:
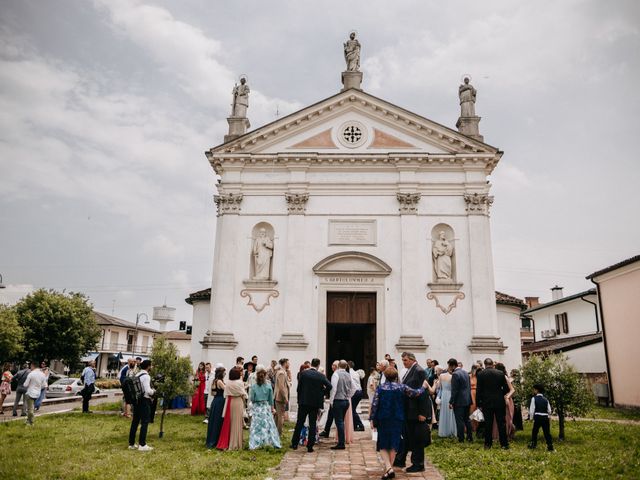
column 83, row 447
column 615, row 413
column 592, row 450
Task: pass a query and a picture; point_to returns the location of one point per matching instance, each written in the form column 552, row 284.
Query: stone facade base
column 292, row 341
column 351, row 80
column 411, row 343
column 219, row 341
column 469, row 127
column 486, row 344
column 237, row 126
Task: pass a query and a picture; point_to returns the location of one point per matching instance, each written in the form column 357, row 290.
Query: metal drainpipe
column 595, row 307
column 604, row 340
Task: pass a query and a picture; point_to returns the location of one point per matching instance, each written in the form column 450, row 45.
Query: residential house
column 618, row 288
column 570, row 325
column 181, row 339
column 120, row 339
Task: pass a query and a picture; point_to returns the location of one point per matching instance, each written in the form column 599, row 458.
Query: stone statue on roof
column 240, row 99
column 467, row 95
column 352, row 53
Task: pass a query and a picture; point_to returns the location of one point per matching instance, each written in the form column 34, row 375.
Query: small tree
column 565, row 388
column 57, row 325
column 175, row 371
column 11, row 334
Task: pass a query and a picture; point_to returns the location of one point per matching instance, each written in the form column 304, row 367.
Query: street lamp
column 1, row 284
column 135, row 341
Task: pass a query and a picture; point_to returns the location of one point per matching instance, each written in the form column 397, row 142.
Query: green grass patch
column 615, row 413
column 108, row 407
column 84, row 447
column 592, row 450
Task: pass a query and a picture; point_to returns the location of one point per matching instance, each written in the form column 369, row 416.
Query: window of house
column 562, row 323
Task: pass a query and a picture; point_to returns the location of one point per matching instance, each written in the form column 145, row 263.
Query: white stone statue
column 352, row 53
column 262, row 252
column 442, row 252
column 240, row 99
column 467, row 95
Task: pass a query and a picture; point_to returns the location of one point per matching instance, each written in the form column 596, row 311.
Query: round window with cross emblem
column 352, row 134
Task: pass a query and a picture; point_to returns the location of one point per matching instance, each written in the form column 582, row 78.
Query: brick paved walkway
column 359, row 461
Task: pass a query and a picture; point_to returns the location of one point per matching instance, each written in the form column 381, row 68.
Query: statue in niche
column 442, row 252
column 262, row 252
column 240, row 99
column 352, row 53
column 467, row 95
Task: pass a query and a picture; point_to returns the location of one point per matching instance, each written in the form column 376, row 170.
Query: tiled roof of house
column 199, row 296
column 177, row 335
column 106, row 320
column 556, row 345
column 615, row 266
column 504, row 299
column 591, row 291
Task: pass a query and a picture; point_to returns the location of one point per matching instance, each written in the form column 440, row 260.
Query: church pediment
column 354, row 121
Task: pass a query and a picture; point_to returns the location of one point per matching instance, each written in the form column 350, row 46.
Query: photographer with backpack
column 140, row 396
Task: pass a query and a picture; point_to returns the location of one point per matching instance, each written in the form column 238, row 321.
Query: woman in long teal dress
column 263, row 430
column 387, row 416
column 447, row 421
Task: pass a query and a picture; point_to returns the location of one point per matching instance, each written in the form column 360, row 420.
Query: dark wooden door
column 351, row 308
column 351, row 328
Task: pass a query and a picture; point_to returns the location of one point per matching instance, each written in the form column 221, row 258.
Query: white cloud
column 162, row 246
column 183, row 51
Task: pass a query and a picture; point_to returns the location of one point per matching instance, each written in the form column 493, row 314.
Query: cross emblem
column 352, row 134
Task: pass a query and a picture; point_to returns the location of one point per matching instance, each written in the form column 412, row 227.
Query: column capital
column 478, row 203
column 408, row 203
column 228, row 203
column 296, row 203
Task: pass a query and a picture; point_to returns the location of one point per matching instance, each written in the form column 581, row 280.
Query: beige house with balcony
column 119, row 340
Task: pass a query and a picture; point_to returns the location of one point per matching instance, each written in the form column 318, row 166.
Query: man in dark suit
column 312, row 386
column 490, row 391
column 416, row 433
column 460, row 399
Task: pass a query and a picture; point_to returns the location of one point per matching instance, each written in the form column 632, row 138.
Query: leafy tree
column 565, row 388
column 175, row 372
column 11, row 334
column 57, row 325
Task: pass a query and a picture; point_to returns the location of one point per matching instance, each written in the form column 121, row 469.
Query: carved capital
column 478, row 203
column 408, row 202
column 296, row 203
column 228, row 203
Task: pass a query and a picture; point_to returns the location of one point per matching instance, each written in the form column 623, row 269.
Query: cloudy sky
column 107, row 106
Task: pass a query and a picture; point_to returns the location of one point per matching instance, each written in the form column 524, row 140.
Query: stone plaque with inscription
column 352, row 232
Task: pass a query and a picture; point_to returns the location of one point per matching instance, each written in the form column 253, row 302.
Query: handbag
column 477, row 415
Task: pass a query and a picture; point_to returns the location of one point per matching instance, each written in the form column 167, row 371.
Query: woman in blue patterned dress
column 387, row 416
column 263, row 430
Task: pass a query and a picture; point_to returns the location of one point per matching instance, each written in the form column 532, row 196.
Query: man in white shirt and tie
column 35, row 382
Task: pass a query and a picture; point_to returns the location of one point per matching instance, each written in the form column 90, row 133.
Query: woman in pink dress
column 198, row 406
column 509, row 407
column 5, row 386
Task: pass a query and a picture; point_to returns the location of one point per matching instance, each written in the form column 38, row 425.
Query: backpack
column 132, row 389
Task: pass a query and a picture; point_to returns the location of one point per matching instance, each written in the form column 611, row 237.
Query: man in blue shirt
column 89, row 379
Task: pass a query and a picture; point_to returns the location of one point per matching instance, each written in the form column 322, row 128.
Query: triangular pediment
column 356, row 122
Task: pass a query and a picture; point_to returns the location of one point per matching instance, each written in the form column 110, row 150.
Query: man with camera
column 142, row 410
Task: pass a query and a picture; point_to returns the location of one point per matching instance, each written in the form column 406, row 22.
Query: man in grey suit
column 460, row 399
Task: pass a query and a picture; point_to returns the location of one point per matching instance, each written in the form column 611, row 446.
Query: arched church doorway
column 351, row 328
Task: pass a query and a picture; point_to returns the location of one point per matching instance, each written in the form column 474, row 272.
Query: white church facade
column 350, row 229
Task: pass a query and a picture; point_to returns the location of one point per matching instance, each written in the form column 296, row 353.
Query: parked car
column 66, row 387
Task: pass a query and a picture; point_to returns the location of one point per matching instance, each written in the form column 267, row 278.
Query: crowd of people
column 408, row 402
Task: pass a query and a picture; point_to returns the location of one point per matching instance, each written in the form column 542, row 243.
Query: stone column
column 292, row 336
column 410, row 338
column 220, row 335
column 485, row 318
